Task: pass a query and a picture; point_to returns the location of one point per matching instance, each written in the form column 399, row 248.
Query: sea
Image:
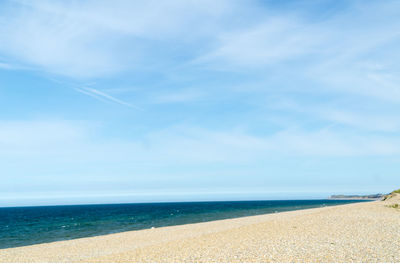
column 22, row 226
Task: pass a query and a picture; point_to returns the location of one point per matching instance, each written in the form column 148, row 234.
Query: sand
column 361, row 232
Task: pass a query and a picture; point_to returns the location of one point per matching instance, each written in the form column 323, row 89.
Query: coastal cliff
column 357, row 197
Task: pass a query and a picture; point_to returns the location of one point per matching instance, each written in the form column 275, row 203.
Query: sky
column 182, row 100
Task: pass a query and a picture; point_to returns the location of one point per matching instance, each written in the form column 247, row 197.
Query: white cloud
column 99, row 38
column 19, row 134
column 79, row 142
column 68, row 158
column 273, row 41
column 96, row 38
column 368, row 121
column 182, row 96
column 355, row 118
column 352, row 52
column 334, row 143
column 5, row 66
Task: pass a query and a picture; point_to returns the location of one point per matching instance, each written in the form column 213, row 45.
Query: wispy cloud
column 91, row 43
column 340, row 113
column 97, row 94
column 270, row 42
column 182, row 145
column 5, row 66
column 84, row 40
column 22, row 135
column 183, row 96
column 176, row 158
column 345, row 52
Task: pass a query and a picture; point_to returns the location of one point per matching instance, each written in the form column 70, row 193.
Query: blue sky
column 137, row 101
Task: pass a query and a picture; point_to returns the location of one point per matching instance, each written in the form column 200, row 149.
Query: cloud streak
column 99, row 95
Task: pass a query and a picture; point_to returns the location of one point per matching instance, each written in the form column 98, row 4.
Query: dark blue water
column 21, row 226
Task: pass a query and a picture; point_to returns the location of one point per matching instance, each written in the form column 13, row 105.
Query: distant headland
column 367, row 197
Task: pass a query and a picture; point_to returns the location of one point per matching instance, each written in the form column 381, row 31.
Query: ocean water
column 21, row 226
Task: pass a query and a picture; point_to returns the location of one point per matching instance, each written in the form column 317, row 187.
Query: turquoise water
column 21, row 226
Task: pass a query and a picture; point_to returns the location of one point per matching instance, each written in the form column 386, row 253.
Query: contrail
column 104, row 97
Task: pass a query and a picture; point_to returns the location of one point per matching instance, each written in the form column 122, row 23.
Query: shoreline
column 223, row 240
column 68, row 222
column 186, row 224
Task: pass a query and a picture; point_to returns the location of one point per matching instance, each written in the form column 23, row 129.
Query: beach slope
column 361, row 232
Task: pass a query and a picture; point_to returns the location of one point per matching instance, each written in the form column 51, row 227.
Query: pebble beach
column 360, row 232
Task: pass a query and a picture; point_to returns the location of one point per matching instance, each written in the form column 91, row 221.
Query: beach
column 360, row 232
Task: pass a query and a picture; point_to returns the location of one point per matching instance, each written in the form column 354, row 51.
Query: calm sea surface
column 21, row 226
